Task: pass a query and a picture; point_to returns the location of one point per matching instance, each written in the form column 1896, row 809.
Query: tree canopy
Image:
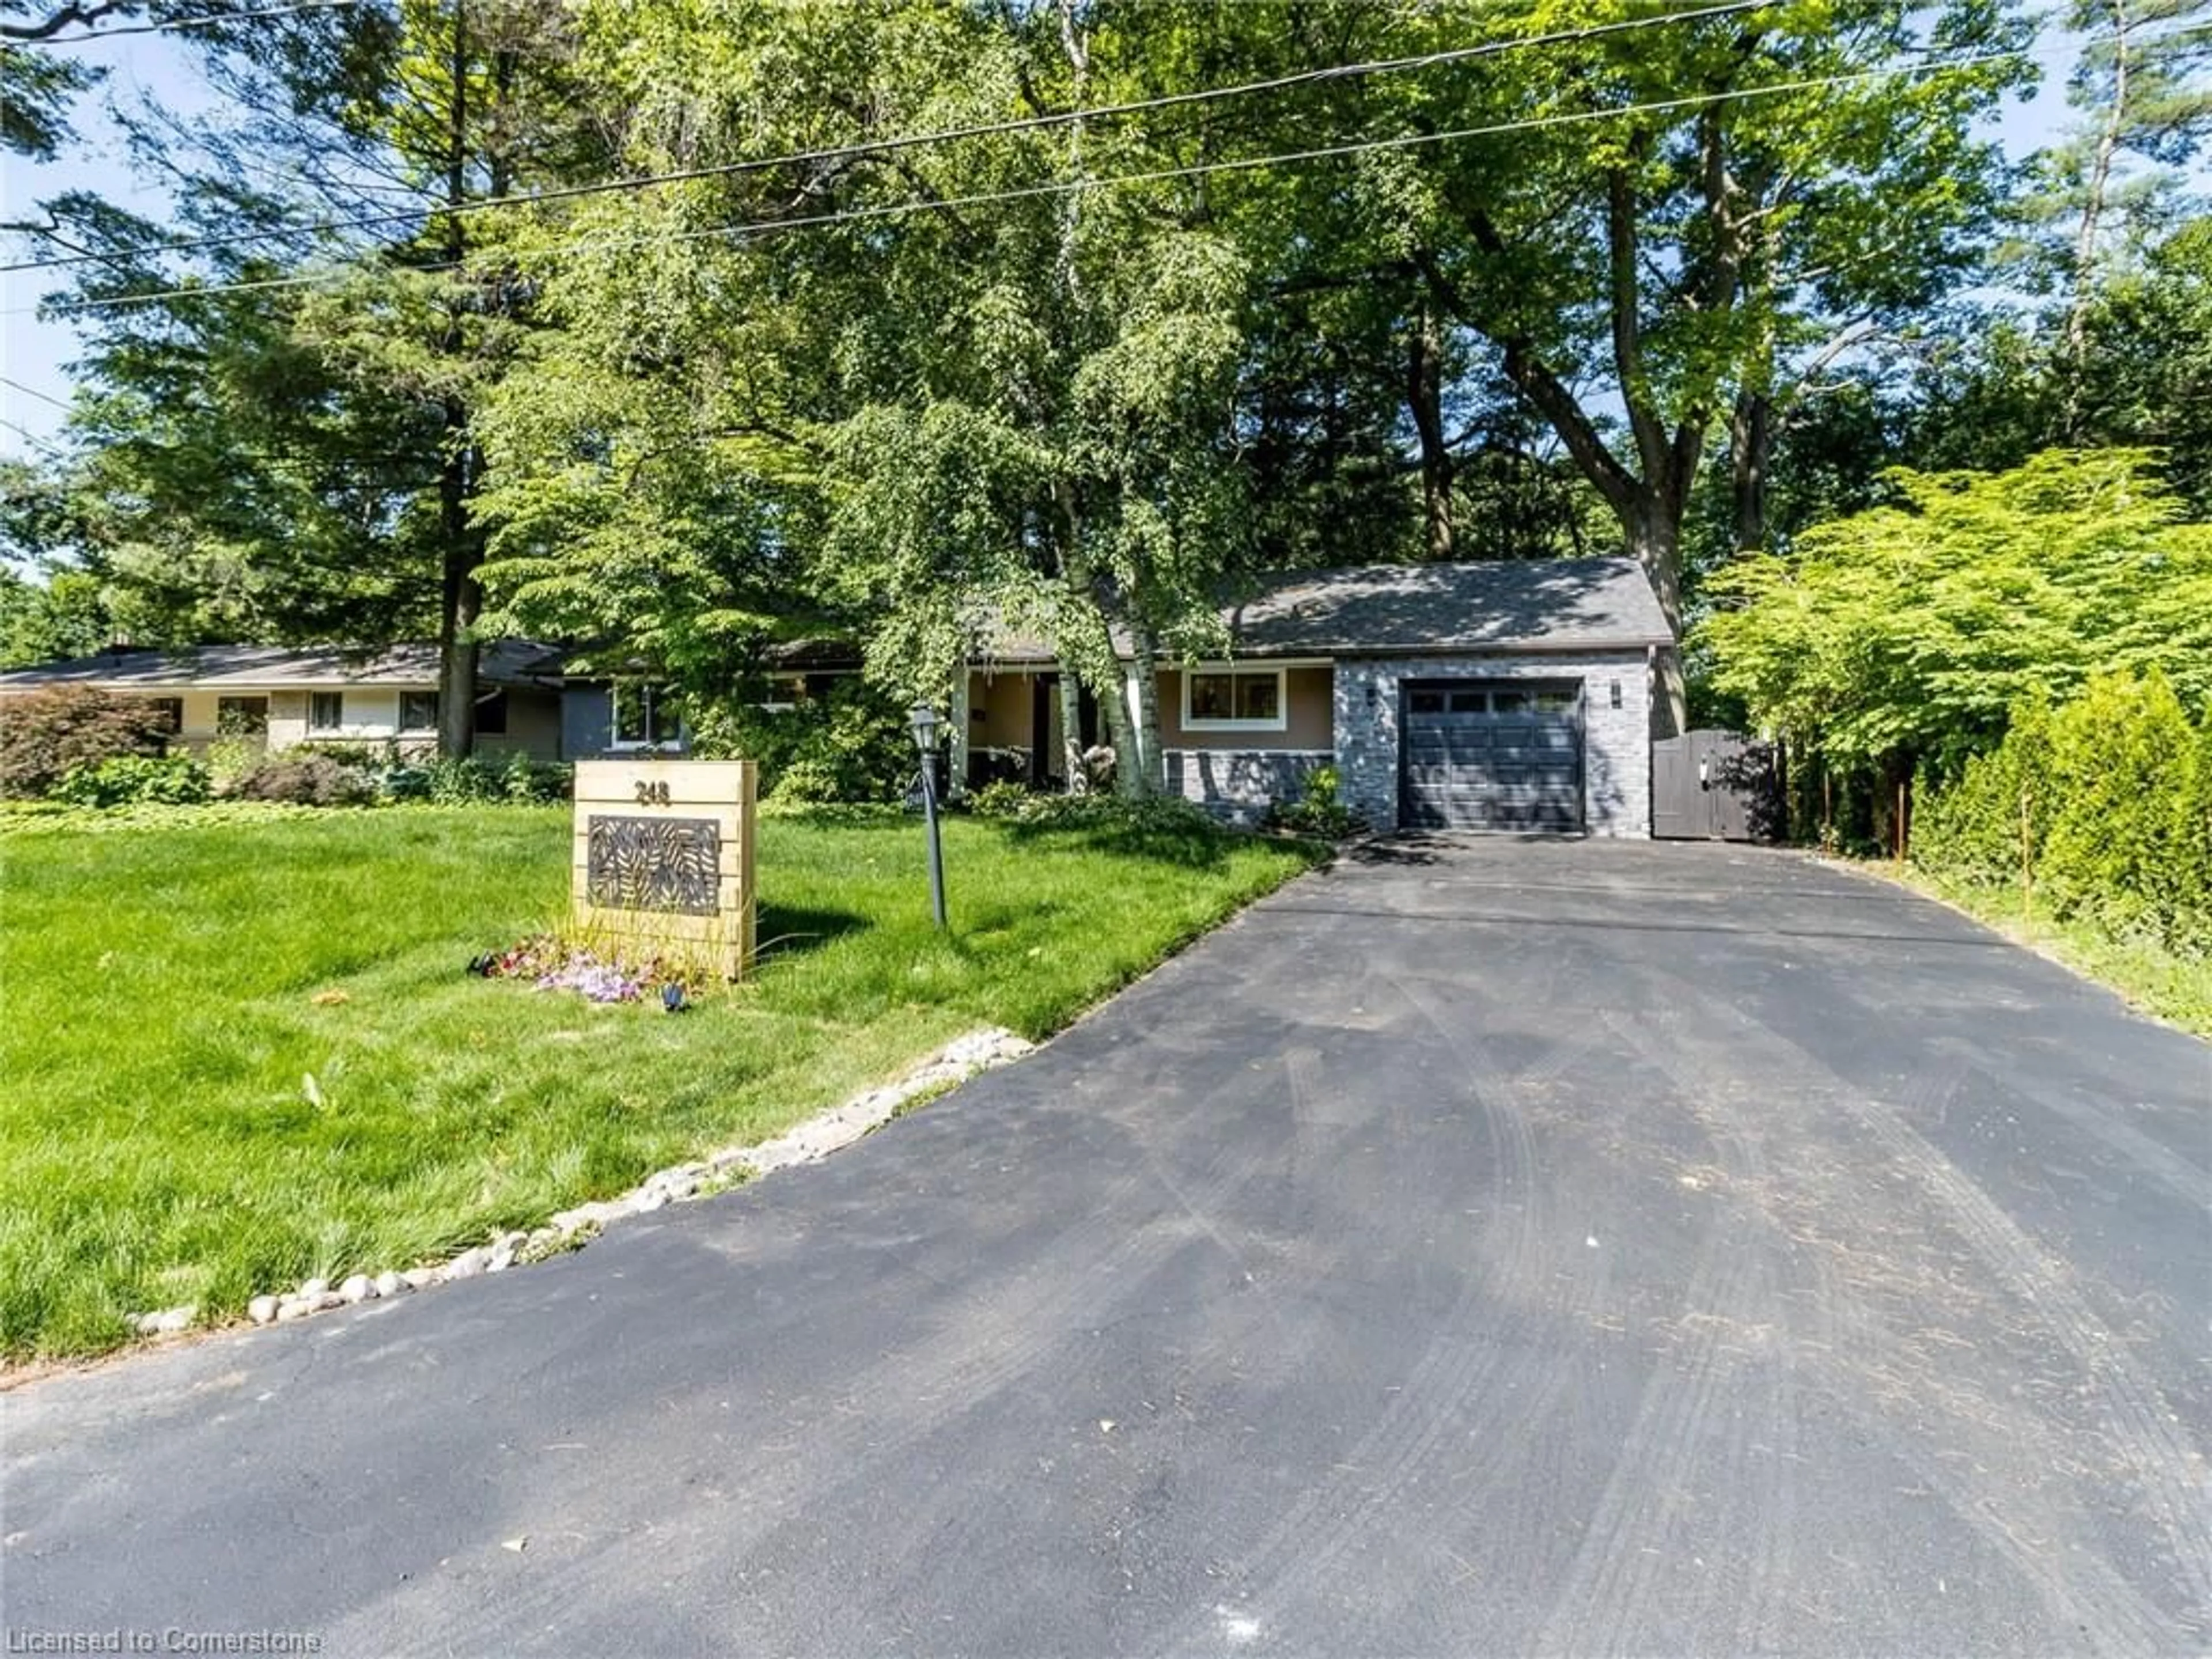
column 1909, row 631
column 670, row 332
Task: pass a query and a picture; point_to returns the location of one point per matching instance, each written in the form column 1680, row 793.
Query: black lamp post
column 923, row 718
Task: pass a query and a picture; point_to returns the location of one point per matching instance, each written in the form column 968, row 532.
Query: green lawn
column 159, row 1141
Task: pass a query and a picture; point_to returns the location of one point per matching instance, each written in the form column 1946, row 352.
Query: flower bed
column 553, row 964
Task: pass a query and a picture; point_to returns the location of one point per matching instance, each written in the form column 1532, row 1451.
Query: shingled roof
column 1422, row 609
column 1520, row 605
column 279, row 668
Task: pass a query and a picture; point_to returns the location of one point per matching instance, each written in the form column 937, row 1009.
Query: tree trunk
column 460, row 599
column 1113, row 710
column 1654, row 526
column 1751, row 445
column 1425, row 401
column 1146, row 774
column 1071, row 731
column 963, row 728
column 2094, row 190
column 2094, row 201
column 1085, row 639
column 1085, row 643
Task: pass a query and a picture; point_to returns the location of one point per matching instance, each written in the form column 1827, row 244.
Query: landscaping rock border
column 814, row 1138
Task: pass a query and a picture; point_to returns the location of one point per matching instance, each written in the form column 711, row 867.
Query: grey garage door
column 1484, row 754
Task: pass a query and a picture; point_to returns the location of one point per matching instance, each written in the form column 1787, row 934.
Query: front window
column 325, row 711
column 241, row 717
column 645, row 717
column 491, row 715
column 1249, row 699
column 418, row 711
column 170, row 711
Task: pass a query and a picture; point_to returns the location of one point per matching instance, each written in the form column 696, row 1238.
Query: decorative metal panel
column 654, row 864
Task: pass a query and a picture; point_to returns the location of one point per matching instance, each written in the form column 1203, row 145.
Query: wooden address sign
column 664, row 858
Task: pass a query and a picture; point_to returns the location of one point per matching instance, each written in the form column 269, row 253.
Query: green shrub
column 1973, row 829
column 2189, row 836
column 405, row 783
column 137, row 780
column 46, row 736
column 2118, row 753
column 304, row 781
column 365, row 757
column 2104, row 804
column 1003, row 800
column 229, row 759
column 536, row 783
column 851, row 744
column 462, row 782
column 808, row 782
column 1317, row 811
column 480, row 779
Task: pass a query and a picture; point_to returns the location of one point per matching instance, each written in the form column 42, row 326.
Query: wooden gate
column 1716, row 785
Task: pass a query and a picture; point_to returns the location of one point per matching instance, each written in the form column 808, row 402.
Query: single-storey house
column 282, row 697
column 1509, row 695
column 1499, row 695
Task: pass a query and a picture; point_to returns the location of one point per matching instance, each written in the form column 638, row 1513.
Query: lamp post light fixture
column 923, row 720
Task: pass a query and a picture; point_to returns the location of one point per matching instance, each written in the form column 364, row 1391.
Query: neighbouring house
column 281, row 698
column 1502, row 696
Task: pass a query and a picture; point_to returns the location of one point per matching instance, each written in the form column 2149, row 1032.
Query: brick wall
column 1617, row 752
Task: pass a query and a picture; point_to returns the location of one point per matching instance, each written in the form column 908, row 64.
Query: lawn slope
column 238, row 1054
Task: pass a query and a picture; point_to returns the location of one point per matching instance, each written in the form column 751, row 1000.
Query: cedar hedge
column 2102, row 807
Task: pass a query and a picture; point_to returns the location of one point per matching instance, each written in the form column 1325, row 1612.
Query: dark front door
column 1490, row 755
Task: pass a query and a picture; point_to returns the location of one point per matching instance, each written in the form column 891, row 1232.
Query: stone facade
column 1239, row 784
column 1617, row 751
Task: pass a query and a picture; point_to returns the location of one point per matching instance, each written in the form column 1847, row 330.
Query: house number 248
column 652, row 794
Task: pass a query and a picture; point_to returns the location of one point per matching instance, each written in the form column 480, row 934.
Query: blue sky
column 35, row 352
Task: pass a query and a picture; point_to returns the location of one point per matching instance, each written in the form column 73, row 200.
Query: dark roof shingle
column 1404, row 609
column 1535, row 604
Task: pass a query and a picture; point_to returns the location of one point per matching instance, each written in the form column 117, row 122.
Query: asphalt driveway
column 1496, row 1248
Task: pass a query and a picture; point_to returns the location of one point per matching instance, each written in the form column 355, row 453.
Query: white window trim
column 1282, row 720
column 333, row 730
column 617, row 744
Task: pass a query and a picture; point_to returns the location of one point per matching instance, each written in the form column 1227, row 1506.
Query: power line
column 35, row 439
column 887, row 146
column 32, row 392
column 211, row 20
column 1245, row 164
column 1202, row 169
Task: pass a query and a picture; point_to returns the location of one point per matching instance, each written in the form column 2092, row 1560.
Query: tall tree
column 286, row 392
column 1668, row 229
column 2140, row 377
column 953, row 409
column 39, row 76
column 2145, row 109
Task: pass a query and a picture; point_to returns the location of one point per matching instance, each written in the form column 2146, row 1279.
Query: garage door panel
column 1489, row 757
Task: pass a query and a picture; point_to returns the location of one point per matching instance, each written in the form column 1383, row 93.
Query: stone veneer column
column 1366, row 730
